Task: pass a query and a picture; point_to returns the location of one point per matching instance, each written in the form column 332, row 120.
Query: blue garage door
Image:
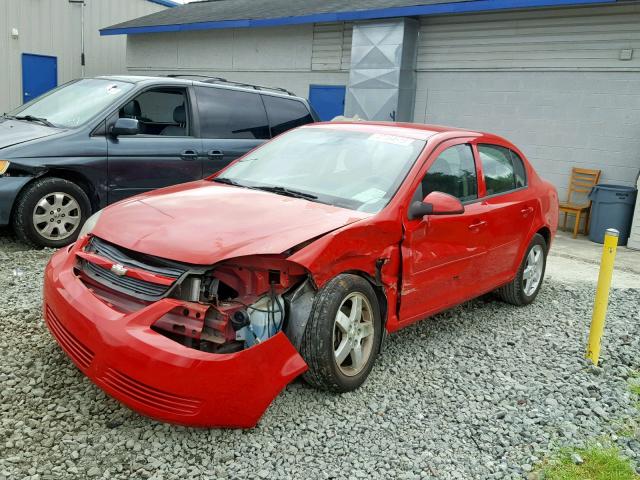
column 327, row 100
column 39, row 75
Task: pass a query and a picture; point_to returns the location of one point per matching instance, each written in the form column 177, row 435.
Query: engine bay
column 228, row 308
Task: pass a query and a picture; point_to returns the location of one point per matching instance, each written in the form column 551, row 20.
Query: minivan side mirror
column 436, row 203
column 125, row 126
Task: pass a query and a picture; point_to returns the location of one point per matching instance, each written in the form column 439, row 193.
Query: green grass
column 600, row 463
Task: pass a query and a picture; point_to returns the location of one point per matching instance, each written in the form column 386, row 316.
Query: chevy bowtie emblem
column 119, row 269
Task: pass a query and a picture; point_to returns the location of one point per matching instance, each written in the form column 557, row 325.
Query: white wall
column 290, row 57
column 552, row 82
column 52, row 27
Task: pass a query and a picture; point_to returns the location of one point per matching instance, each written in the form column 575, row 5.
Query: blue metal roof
column 251, row 14
column 165, row 3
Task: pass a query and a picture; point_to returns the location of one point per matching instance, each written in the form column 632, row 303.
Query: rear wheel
column 342, row 336
column 524, row 288
column 50, row 212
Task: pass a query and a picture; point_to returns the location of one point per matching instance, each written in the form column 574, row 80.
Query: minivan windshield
column 346, row 168
column 71, row 105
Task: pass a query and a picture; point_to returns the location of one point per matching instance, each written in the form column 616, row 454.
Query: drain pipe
column 82, row 62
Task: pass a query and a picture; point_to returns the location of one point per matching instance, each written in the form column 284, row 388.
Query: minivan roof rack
column 220, row 80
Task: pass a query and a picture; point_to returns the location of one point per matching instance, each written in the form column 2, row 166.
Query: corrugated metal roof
column 220, row 14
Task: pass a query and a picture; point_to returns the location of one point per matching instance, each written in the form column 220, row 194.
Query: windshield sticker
column 369, row 195
column 395, row 140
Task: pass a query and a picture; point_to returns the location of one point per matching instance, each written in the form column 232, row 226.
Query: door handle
column 526, row 211
column 189, row 155
column 477, row 225
column 215, row 154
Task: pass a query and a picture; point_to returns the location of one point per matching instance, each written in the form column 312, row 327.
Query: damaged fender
column 361, row 248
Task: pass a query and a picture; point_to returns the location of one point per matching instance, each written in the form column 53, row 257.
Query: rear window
column 226, row 113
column 285, row 114
column 503, row 169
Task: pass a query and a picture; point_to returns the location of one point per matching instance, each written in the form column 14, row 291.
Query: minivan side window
column 285, row 114
column 453, row 172
column 503, row 169
column 226, row 113
column 161, row 111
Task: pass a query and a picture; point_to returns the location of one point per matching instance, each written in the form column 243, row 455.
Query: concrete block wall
column 559, row 119
column 273, row 56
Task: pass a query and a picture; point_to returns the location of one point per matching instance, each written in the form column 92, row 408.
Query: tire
column 518, row 292
column 67, row 208
column 325, row 336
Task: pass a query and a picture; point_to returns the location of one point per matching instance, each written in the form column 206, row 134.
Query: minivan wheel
column 524, row 288
column 342, row 336
column 50, row 212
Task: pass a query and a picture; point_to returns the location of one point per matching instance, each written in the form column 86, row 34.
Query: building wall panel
column 282, row 57
column 582, row 38
column 52, row 27
column 332, row 46
column 559, row 119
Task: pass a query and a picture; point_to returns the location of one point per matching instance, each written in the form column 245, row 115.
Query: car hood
column 13, row 132
column 204, row 223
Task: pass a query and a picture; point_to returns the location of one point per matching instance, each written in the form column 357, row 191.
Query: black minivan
column 94, row 141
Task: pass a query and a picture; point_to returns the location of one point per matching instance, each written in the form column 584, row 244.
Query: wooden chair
column 581, row 183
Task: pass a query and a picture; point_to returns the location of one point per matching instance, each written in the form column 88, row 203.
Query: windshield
column 350, row 169
column 71, row 105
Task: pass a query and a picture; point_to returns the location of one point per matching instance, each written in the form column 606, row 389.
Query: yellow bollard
column 602, row 294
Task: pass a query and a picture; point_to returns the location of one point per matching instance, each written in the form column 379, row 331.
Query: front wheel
column 342, row 336
column 50, row 212
column 524, row 288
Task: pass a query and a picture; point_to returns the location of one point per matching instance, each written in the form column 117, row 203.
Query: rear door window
column 226, row 113
column 503, row 169
column 285, row 113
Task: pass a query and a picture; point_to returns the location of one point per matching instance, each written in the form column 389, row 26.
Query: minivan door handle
column 215, row 154
column 189, row 155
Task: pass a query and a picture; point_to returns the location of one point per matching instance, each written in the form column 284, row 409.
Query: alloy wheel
column 56, row 216
column 353, row 334
column 533, row 270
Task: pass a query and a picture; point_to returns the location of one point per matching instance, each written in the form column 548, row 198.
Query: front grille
column 131, row 286
column 70, row 344
column 128, row 284
column 150, row 396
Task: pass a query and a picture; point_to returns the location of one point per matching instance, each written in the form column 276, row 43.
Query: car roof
column 418, row 131
column 141, row 79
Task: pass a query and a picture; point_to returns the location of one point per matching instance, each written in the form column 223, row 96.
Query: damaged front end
column 206, row 346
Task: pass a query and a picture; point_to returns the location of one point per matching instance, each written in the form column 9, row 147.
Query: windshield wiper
column 31, row 118
column 286, row 191
column 226, row 181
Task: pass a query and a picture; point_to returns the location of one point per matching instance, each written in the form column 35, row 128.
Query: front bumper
column 9, row 189
column 154, row 375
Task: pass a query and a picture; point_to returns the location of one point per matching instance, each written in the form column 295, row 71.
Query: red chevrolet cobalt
column 196, row 304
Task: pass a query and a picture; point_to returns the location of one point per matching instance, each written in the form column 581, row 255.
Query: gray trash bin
column 612, row 207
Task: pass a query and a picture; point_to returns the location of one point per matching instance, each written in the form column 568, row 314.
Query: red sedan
column 196, row 304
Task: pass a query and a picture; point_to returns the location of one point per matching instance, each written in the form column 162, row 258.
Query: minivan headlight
column 4, row 166
column 90, row 224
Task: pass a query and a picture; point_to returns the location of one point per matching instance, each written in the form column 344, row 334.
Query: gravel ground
column 481, row 391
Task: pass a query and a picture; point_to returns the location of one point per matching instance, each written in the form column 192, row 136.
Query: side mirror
column 125, row 126
column 436, row 203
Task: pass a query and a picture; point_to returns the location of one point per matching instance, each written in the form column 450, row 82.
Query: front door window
column 162, row 111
